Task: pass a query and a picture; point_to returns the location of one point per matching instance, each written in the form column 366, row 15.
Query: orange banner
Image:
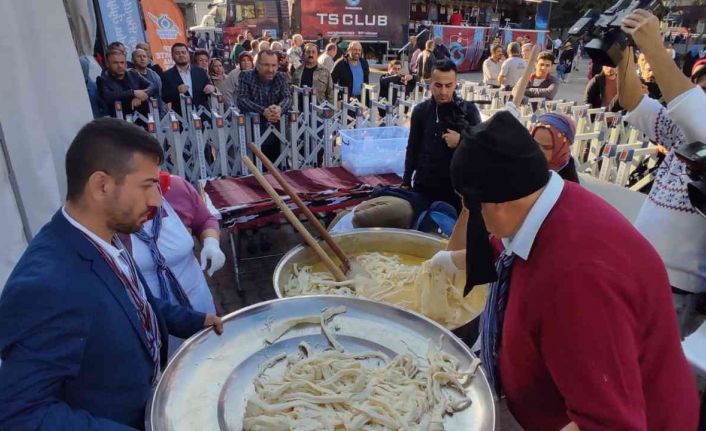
column 165, row 27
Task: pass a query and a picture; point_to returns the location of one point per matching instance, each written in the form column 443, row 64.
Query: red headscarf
column 562, row 129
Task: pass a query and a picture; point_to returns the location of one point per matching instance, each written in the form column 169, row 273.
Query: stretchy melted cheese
column 396, row 279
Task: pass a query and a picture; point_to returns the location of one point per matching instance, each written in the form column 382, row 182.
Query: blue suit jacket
column 171, row 80
column 73, row 350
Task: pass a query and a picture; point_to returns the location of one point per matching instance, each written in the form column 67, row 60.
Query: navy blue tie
column 169, row 286
column 492, row 318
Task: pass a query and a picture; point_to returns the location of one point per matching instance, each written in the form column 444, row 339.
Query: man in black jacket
column 120, row 47
column 352, row 70
column 441, row 52
column 184, row 79
column 435, row 132
column 117, row 84
column 602, row 90
column 394, row 76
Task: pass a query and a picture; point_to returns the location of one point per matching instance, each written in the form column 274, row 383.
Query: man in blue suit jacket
column 185, row 78
column 76, row 353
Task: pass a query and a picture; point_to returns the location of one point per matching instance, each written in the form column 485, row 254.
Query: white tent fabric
column 14, row 241
column 82, row 21
column 43, row 103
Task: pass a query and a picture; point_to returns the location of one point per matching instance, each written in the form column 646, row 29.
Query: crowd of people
column 503, row 67
column 585, row 312
column 198, row 74
column 259, row 64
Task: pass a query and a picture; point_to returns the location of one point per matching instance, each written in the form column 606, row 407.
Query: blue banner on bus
column 122, row 22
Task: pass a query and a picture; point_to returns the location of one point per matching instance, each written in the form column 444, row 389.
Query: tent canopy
column 44, row 103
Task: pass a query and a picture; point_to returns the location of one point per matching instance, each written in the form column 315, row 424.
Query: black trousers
column 439, row 192
column 469, row 332
column 272, row 146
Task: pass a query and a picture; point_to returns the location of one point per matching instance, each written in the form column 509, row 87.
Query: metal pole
column 15, row 188
column 242, row 143
column 200, row 147
column 295, row 145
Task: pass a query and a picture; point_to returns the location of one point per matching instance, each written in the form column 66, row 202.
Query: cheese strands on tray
column 332, row 389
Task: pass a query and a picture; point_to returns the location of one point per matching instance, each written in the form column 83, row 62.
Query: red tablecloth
column 243, row 204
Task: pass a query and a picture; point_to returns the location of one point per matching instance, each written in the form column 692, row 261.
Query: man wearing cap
column 578, row 331
column 434, row 135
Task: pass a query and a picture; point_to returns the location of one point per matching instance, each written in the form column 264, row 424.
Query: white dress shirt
column 114, row 252
column 521, row 243
column 491, row 71
column 186, row 77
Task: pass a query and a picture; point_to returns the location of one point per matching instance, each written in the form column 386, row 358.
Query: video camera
column 607, row 39
column 694, row 156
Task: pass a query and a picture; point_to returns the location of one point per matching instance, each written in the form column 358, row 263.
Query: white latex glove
column 443, row 260
column 212, row 251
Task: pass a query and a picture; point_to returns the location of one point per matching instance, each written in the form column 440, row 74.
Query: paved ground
column 258, row 263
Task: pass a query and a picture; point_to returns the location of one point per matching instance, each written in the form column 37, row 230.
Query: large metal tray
column 209, row 379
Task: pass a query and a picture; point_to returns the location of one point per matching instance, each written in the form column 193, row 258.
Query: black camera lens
column 697, row 196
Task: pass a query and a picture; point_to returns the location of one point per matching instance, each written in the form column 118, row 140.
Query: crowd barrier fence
column 208, row 142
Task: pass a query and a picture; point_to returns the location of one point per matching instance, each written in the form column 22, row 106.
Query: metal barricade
column 209, row 141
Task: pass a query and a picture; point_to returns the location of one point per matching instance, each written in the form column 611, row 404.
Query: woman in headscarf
column 555, row 133
column 216, row 73
column 230, row 85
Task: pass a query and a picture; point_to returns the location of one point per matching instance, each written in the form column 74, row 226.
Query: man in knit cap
column 578, row 331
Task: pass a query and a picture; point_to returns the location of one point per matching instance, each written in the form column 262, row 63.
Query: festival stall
column 468, row 44
column 538, row 37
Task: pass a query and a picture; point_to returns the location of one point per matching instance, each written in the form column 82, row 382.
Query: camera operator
column 667, row 218
column 683, row 98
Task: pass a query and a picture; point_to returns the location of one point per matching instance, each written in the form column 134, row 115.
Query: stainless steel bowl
column 400, row 241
